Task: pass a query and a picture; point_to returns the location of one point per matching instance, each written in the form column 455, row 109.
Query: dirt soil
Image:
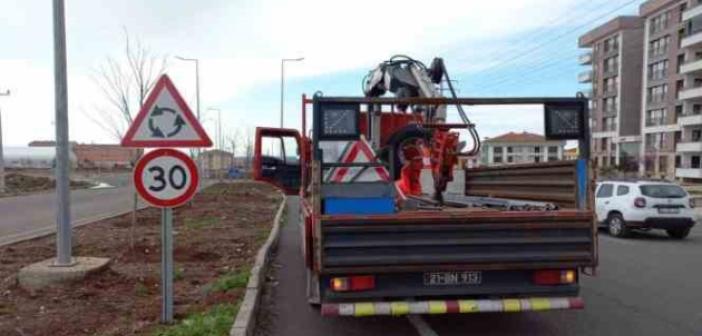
column 21, row 183
column 220, row 233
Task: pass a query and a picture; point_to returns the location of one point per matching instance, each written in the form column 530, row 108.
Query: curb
column 245, row 319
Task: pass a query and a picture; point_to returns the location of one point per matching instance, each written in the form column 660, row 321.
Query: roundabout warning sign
column 165, row 120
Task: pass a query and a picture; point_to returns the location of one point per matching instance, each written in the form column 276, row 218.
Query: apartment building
column 525, row 147
column 615, row 60
column 663, row 86
column 689, row 145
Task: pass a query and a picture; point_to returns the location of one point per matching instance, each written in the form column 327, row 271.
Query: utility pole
column 2, row 158
column 63, row 216
column 282, row 83
column 197, row 103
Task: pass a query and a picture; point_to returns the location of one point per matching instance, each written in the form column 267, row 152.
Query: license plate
column 668, row 211
column 452, row 278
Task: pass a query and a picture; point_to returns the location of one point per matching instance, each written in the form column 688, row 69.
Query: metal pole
column 2, row 157
column 63, row 215
column 219, row 128
column 282, row 83
column 167, row 265
column 282, row 89
column 2, row 160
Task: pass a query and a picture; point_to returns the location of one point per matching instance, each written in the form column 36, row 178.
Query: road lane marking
column 421, row 325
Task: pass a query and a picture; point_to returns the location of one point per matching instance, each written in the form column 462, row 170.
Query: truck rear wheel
column 616, row 225
column 678, row 233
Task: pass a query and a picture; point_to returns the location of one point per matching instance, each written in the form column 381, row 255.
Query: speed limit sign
column 166, row 178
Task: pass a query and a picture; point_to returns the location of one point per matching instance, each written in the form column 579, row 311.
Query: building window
column 696, row 135
column 658, row 70
column 611, row 85
column 509, row 149
column 610, row 105
column 552, row 153
column 695, row 161
column 611, row 65
column 654, row 141
column 611, row 44
column 659, row 47
column 610, row 124
column 678, row 161
column 658, row 93
column 660, row 23
column 656, row 117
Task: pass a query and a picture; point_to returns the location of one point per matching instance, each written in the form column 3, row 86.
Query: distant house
column 104, row 155
column 571, row 154
column 525, row 147
column 32, row 157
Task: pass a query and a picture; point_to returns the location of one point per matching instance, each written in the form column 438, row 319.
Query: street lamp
column 2, row 159
column 282, row 83
column 197, row 100
column 197, row 81
column 219, row 125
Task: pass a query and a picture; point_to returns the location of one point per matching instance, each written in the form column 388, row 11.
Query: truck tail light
column 554, row 277
column 353, row 283
column 640, row 202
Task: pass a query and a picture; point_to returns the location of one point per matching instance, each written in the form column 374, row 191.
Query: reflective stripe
column 399, row 308
column 466, row 306
column 364, row 309
column 511, row 305
column 451, row 306
column 437, row 307
column 540, row 304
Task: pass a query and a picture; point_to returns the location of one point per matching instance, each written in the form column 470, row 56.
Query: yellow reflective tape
column 364, row 309
column 511, row 305
column 540, row 304
column 467, row 306
column 399, row 308
column 437, row 307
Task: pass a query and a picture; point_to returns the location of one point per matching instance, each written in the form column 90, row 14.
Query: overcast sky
column 491, row 48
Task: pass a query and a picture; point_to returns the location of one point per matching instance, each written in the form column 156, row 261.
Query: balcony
column 585, row 59
column 691, row 93
column 690, row 119
column 689, row 147
column 692, row 13
column 694, row 39
column 693, row 67
column 585, row 77
column 688, row 172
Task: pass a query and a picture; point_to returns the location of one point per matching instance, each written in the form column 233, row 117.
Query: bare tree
column 125, row 82
column 233, row 139
column 248, row 149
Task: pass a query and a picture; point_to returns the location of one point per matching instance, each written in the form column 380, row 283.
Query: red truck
column 516, row 238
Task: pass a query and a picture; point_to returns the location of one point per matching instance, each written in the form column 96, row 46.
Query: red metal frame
column 165, row 83
column 276, row 133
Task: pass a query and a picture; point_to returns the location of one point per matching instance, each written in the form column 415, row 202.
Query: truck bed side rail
column 555, row 182
column 477, row 240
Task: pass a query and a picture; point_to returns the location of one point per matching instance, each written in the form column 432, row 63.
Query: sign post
column 165, row 177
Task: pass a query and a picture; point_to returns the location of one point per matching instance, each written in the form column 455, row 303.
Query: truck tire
column 678, row 233
column 616, row 226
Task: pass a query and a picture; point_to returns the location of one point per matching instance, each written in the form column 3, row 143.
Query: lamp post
column 282, row 83
column 2, row 159
column 197, row 102
column 219, row 126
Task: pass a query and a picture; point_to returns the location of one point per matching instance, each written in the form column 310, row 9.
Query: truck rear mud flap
column 399, row 308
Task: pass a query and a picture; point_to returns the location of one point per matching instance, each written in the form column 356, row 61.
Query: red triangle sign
column 165, row 120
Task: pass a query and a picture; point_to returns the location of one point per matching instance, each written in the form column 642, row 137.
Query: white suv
column 623, row 205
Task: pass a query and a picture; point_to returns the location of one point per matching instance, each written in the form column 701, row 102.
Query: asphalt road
column 31, row 215
column 646, row 285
